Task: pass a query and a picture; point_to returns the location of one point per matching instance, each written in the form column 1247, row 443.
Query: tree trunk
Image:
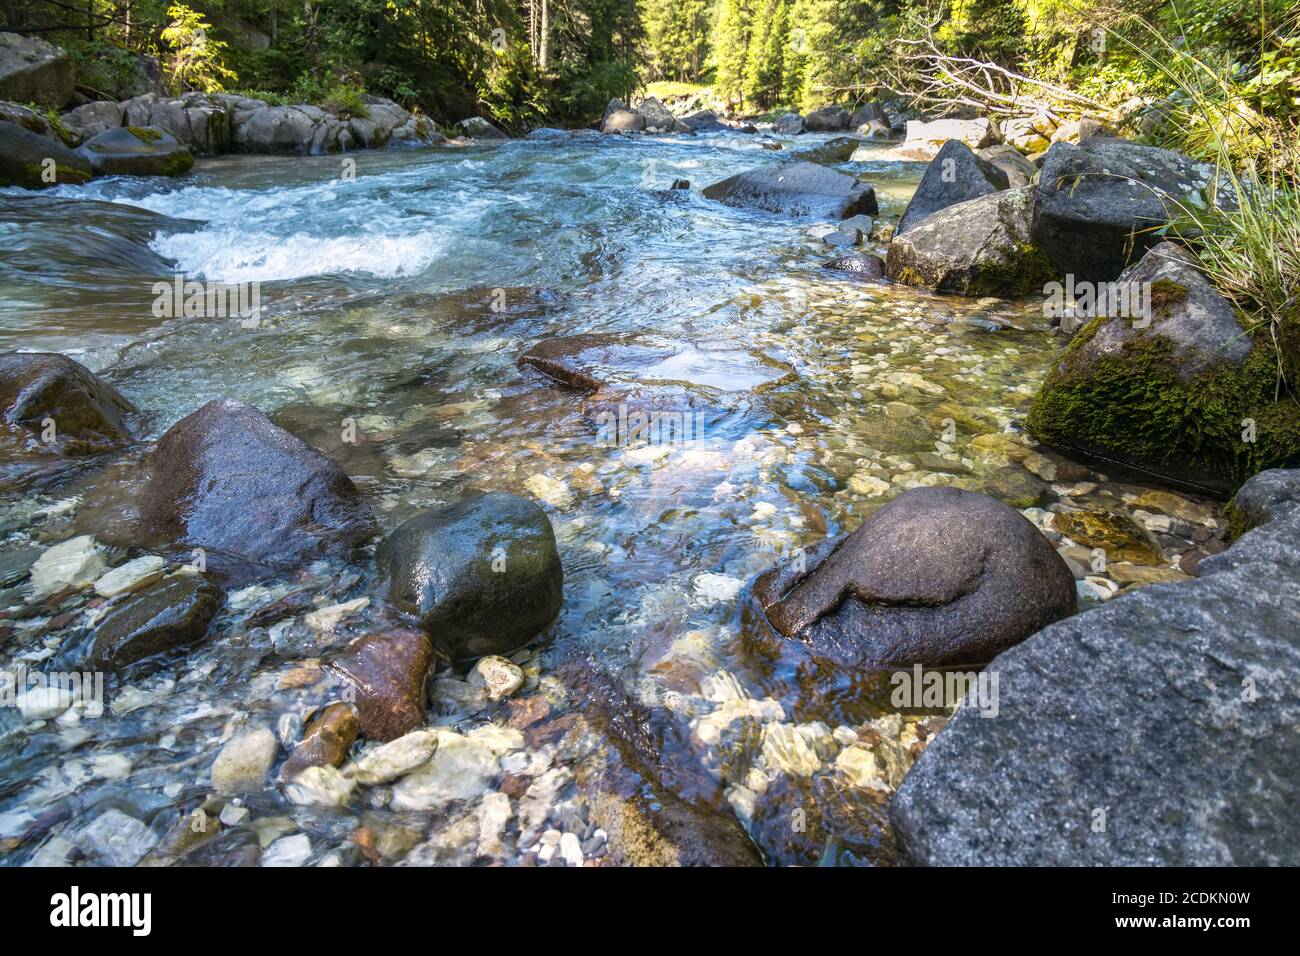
column 544, row 44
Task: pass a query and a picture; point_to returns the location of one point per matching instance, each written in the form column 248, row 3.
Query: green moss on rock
column 145, row 135
column 1132, row 405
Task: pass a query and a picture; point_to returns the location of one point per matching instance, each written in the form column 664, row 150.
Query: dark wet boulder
column 838, row 149
column 865, row 267
column 953, row 176
column 977, row 247
column 483, row 575
column 387, row 672
column 1154, row 730
column 827, row 119
column 34, row 161
column 1184, row 393
column 659, row 119
column 174, row 613
column 704, row 121
column 480, row 128
column 33, row 70
column 227, row 480
column 325, row 740
column 44, row 395
column 586, row 361
column 137, row 151
column 937, row 577
column 1099, row 201
column 796, row 189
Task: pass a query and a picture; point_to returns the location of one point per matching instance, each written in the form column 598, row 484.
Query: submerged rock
column 796, row 189
column 1154, row 730
column 1098, row 203
column 387, row 672
column 937, row 577
column 325, row 740
column 865, row 267
column 115, row 839
column 34, row 161
column 953, row 176
column 169, row 615
column 977, row 247
column 137, row 151
column 244, row 760
column 54, row 408
column 1184, row 393
column 76, row 562
column 227, row 480
column 483, row 575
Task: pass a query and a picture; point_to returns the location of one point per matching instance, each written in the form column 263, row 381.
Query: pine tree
column 764, row 61
column 730, row 48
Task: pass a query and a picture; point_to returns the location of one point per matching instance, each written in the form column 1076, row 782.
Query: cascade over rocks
column 1138, row 706
column 954, row 175
column 227, row 480
column 483, row 575
column 1168, row 398
column 937, row 577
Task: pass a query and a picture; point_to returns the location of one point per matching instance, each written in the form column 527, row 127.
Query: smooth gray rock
column 827, row 119
column 1098, row 198
column 796, row 189
column 33, row 70
column 480, row 128
column 483, row 575
column 24, row 159
column 1018, row 170
column 953, row 176
column 788, row 124
column 937, row 577
column 137, row 151
column 1140, row 707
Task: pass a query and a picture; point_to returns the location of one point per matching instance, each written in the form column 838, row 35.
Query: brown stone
column 388, row 671
column 325, row 741
column 526, row 711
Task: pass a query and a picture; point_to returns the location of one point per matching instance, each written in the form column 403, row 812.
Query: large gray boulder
column 227, row 480
column 939, row 576
column 1169, row 393
column 483, row 575
column 33, row 70
column 1156, row 729
column 479, row 128
column 93, row 118
column 788, row 124
column 925, row 139
column 658, row 118
column 136, row 151
column 202, row 123
column 1098, row 202
column 798, row 190
column 827, row 119
column 275, row 129
column 977, row 247
column 34, row 161
column 954, row 175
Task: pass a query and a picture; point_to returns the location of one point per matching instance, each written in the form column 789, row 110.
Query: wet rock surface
column 482, row 575
column 798, row 190
column 172, row 614
column 387, row 671
column 227, row 480
column 937, row 577
column 1167, row 710
column 36, row 161
column 136, row 151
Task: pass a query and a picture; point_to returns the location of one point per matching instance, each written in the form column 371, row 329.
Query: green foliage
column 196, row 60
column 676, row 38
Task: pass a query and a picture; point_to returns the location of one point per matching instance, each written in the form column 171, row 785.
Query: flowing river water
column 398, row 301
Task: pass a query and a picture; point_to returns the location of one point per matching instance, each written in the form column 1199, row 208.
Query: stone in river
column 169, row 615
column 132, row 576
column 388, row 671
column 1117, row 534
column 483, row 575
column 73, row 563
column 865, row 267
column 461, row 768
column 244, row 760
column 137, row 151
column 227, row 480
column 325, row 740
column 498, row 677
column 52, row 408
column 939, row 576
column 394, row 759
column 115, row 839
column 1172, row 708
column 954, row 175
column 796, row 189
column 25, row 158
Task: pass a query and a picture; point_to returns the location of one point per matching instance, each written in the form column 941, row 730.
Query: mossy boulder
column 34, row 161
column 977, row 247
column 1187, row 394
column 137, row 151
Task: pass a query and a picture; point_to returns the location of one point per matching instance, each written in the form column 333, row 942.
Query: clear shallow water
column 401, row 301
